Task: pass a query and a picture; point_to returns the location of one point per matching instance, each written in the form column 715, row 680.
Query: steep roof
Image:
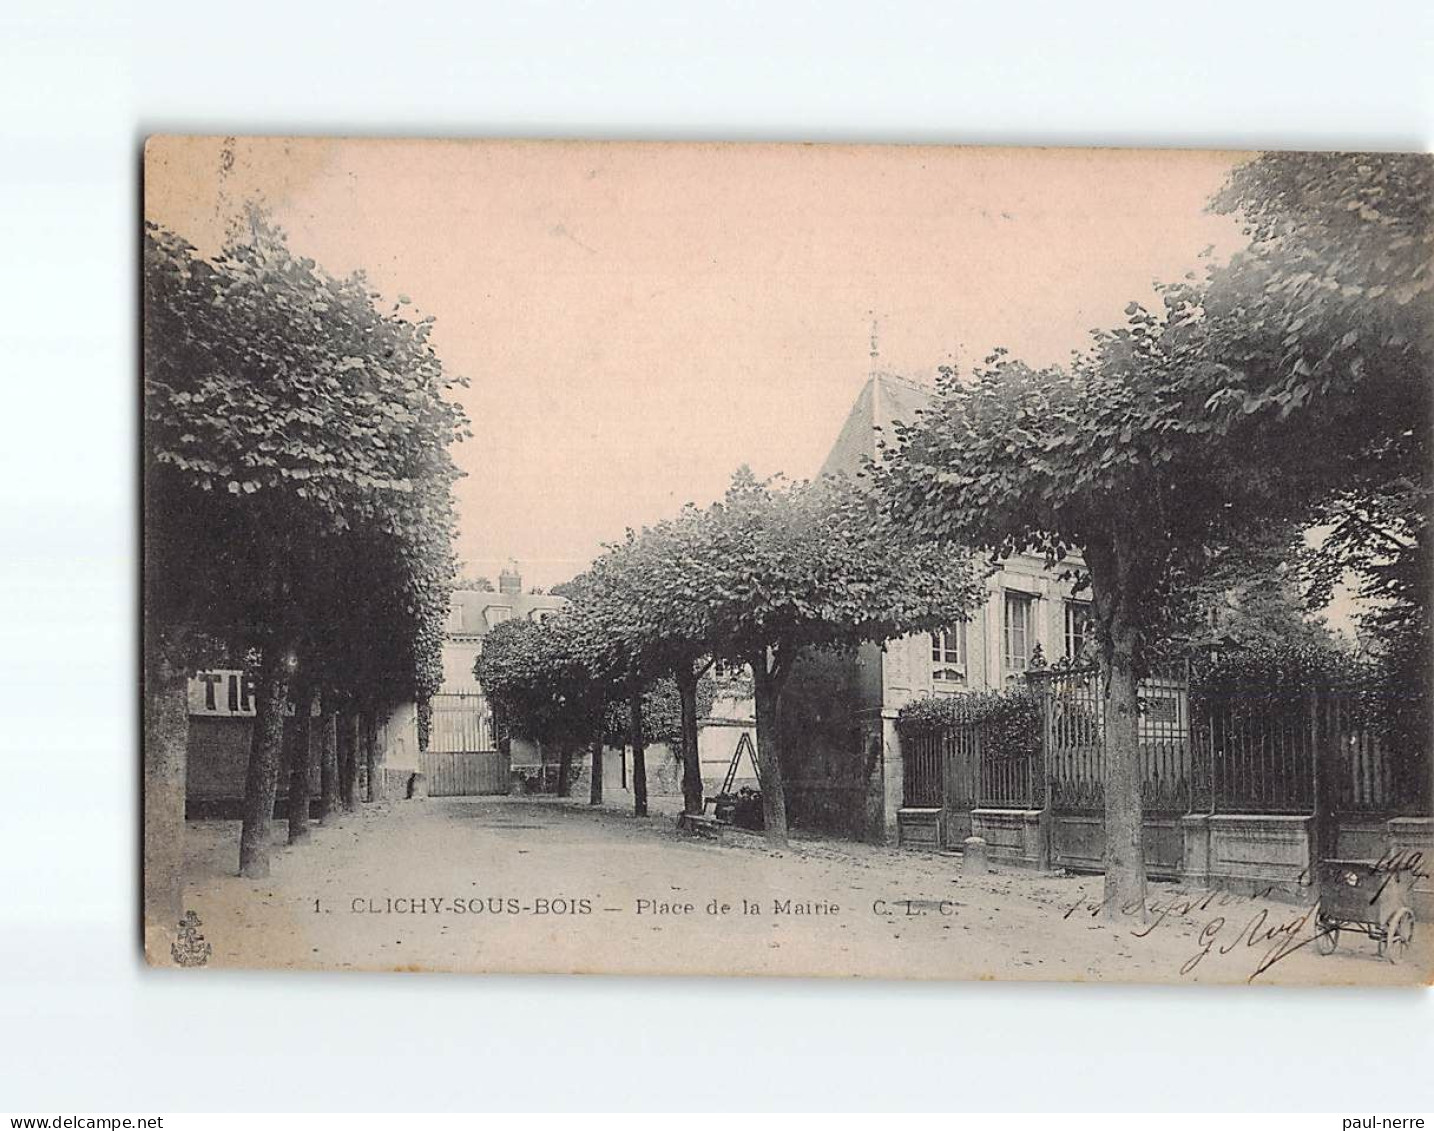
column 473, row 612
column 884, row 401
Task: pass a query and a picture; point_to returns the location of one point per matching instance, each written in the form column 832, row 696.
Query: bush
column 1271, row 668
column 1010, row 720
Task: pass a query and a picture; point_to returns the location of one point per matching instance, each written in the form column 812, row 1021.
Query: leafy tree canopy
column 1326, row 321
column 298, row 479
column 538, row 676
column 786, row 566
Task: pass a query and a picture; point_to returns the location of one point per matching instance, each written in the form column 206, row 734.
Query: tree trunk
column 372, row 768
column 692, row 789
column 595, row 778
column 565, row 769
column 328, row 767
column 1124, row 857
column 166, row 741
column 767, row 696
column 348, row 742
column 639, row 758
column 301, row 760
column 271, row 696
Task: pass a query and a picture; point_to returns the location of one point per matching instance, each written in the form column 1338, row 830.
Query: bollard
column 973, row 858
column 418, row 787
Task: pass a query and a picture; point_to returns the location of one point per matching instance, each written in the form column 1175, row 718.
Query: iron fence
column 922, row 781
column 1364, row 777
column 1258, row 751
column 1201, row 749
column 1074, row 708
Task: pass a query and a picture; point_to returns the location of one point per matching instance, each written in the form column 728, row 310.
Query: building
column 474, row 613
column 463, row 755
column 840, row 710
column 1249, row 792
column 221, row 722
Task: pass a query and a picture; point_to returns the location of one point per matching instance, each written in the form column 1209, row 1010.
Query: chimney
column 510, row 581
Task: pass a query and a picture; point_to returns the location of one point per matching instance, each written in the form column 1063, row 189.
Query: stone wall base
column 1253, row 853
column 1257, row 854
column 919, row 828
column 1018, row 837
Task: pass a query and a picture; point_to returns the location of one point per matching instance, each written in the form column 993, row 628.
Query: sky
column 638, row 320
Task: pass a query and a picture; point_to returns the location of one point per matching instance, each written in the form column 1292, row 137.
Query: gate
column 1073, row 710
column 462, row 759
column 973, row 761
column 942, row 772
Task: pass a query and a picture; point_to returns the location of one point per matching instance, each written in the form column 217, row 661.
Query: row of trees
column 298, row 520
column 767, row 572
column 1289, row 388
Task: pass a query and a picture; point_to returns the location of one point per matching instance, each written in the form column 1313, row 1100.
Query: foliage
column 1328, row 320
column 1250, row 593
column 536, row 676
column 661, row 713
column 1010, row 719
column 1113, row 456
column 1265, row 667
column 820, row 565
column 1327, row 323
column 298, row 480
column 644, row 602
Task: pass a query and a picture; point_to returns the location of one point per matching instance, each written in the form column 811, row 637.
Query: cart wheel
column 1328, row 937
column 1398, row 934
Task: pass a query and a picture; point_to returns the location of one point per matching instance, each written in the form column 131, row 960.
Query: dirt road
column 542, row 885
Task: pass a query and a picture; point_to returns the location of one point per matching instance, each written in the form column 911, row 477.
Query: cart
column 1363, row 896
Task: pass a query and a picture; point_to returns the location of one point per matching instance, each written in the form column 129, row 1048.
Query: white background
column 85, row 1026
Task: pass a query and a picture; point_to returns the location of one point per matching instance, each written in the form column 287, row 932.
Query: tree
column 1327, row 323
column 472, row 582
column 784, row 568
column 541, row 686
column 1115, row 457
column 645, row 605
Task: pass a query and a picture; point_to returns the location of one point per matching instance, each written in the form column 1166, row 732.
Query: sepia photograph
column 637, row 561
column 850, row 561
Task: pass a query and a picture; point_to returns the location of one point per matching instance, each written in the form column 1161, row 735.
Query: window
column 948, row 654
column 1077, row 629
column 1019, row 636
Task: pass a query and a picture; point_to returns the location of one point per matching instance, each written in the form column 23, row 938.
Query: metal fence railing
column 1206, row 749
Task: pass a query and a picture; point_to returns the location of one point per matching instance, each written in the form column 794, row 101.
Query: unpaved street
column 521, row 884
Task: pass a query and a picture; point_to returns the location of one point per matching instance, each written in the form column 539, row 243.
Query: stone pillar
column 1195, row 852
column 893, row 777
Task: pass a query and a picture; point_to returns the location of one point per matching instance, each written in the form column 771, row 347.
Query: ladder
column 743, row 744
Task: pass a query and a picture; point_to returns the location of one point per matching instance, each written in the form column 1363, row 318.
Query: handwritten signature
column 1279, row 936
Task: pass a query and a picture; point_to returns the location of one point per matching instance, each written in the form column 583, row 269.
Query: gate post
column 1322, row 844
column 1042, row 799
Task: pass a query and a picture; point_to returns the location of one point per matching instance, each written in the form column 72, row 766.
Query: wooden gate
column 462, row 759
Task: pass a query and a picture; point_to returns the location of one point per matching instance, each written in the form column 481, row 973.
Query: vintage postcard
column 808, row 560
